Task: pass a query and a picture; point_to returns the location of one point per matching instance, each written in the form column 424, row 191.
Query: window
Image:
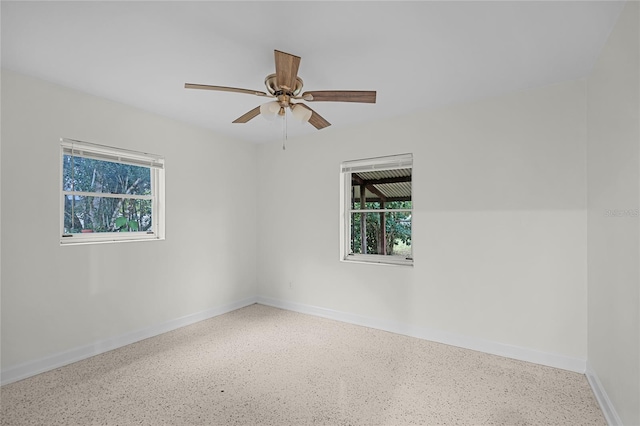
column 377, row 208
column 110, row 194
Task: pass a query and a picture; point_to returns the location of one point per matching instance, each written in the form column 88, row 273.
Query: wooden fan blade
column 248, row 116
column 316, row 119
column 224, row 89
column 286, row 70
column 362, row 96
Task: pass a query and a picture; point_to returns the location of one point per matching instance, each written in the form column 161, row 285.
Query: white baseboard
column 28, row 369
column 552, row 360
column 610, row 413
column 51, row 362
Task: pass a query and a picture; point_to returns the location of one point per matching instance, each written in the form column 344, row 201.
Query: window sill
column 106, row 239
column 376, row 260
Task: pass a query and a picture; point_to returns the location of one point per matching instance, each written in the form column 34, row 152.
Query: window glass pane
column 378, row 187
column 104, row 214
column 394, row 241
column 89, row 175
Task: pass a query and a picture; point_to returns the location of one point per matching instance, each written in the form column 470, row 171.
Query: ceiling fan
column 285, row 86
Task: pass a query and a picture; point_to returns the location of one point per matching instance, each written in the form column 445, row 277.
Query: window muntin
column 378, row 191
column 110, row 194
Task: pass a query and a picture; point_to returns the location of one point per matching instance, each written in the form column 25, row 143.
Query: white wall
column 56, row 299
column 499, row 222
column 613, row 241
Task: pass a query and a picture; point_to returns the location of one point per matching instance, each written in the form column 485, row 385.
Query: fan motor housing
column 272, row 86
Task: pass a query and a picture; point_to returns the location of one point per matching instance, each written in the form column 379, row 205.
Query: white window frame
column 117, row 155
column 402, row 161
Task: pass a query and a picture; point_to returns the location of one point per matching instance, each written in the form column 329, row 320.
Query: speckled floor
column 265, row 366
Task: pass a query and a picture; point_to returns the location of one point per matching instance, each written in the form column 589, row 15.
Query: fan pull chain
column 284, row 130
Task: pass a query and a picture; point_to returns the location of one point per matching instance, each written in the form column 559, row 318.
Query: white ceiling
column 416, row 55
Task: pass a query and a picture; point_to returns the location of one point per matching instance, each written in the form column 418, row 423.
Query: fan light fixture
column 271, row 110
column 300, row 113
